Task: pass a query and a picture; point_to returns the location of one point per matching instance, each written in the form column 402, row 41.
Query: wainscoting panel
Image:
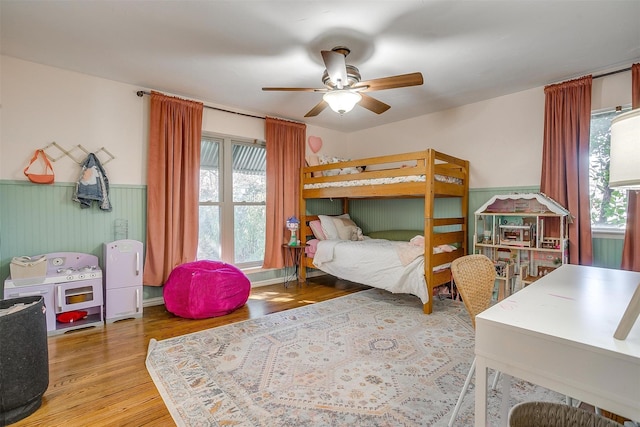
column 396, row 214
column 607, row 252
column 37, row 219
column 324, row 207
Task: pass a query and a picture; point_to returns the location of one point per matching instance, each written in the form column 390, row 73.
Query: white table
column 558, row 333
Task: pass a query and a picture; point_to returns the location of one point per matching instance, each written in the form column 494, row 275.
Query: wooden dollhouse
column 525, row 234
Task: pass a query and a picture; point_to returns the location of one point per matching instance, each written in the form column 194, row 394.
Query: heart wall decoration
column 315, row 143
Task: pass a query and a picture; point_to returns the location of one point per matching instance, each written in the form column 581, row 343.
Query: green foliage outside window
column 608, row 206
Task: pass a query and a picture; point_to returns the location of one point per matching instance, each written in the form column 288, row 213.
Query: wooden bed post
column 465, row 210
column 302, row 267
column 428, row 229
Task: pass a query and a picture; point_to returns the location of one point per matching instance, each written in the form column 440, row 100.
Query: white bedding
column 378, row 181
column 394, row 266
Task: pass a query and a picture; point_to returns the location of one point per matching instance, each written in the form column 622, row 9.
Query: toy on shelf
column 292, row 225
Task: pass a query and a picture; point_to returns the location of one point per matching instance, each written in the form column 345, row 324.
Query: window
column 608, row 206
column 232, row 201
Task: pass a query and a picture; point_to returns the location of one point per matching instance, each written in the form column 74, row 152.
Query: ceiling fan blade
column 336, row 67
column 320, row 106
column 403, row 80
column 295, row 89
column 373, row 104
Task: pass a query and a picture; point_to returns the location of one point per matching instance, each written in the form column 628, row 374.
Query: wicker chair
column 533, row 414
column 474, row 276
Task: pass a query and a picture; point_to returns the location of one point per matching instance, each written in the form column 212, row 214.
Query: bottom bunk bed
column 396, row 266
column 393, row 260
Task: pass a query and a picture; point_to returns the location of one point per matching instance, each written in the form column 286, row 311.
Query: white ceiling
column 224, row 52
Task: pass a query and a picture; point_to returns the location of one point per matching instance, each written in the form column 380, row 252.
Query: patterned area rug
column 367, row 359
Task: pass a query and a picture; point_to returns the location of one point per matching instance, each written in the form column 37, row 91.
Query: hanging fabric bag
column 46, row 178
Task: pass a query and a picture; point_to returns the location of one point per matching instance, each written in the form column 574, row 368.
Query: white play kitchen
column 77, row 292
column 69, row 282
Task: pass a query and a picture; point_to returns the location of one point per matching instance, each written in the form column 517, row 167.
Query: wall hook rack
column 69, row 153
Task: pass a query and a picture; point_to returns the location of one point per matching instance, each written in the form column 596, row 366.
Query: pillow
column 347, row 171
column 331, row 172
column 347, row 229
column 328, row 227
column 326, row 160
column 316, row 227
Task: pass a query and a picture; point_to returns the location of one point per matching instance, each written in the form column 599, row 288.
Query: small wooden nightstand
column 292, row 258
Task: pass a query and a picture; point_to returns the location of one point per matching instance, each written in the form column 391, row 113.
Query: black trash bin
column 24, row 358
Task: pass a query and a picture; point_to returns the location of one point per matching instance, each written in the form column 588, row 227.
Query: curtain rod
column 612, row 73
column 141, row 93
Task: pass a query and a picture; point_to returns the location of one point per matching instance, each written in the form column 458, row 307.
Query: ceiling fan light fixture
column 342, row 101
column 343, row 87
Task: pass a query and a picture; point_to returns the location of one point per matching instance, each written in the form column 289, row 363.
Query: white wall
column 501, row 137
column 333, row 142
column 231, row 124
column 42, row 104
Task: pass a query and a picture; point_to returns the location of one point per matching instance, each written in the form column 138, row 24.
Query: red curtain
column 632, row 233
column 285, row 156
column 565, row 159
column 173, row 185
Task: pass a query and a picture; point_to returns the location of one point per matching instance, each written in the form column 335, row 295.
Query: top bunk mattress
column 381, row 181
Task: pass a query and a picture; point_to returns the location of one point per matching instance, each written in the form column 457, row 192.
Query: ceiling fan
column 343, row 88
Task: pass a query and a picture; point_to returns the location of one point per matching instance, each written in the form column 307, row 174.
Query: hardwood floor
column 97, row 377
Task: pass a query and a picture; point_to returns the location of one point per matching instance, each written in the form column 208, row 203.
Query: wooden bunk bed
column 430, row 175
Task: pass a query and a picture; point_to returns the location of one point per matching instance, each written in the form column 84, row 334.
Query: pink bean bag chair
column 201, row 289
